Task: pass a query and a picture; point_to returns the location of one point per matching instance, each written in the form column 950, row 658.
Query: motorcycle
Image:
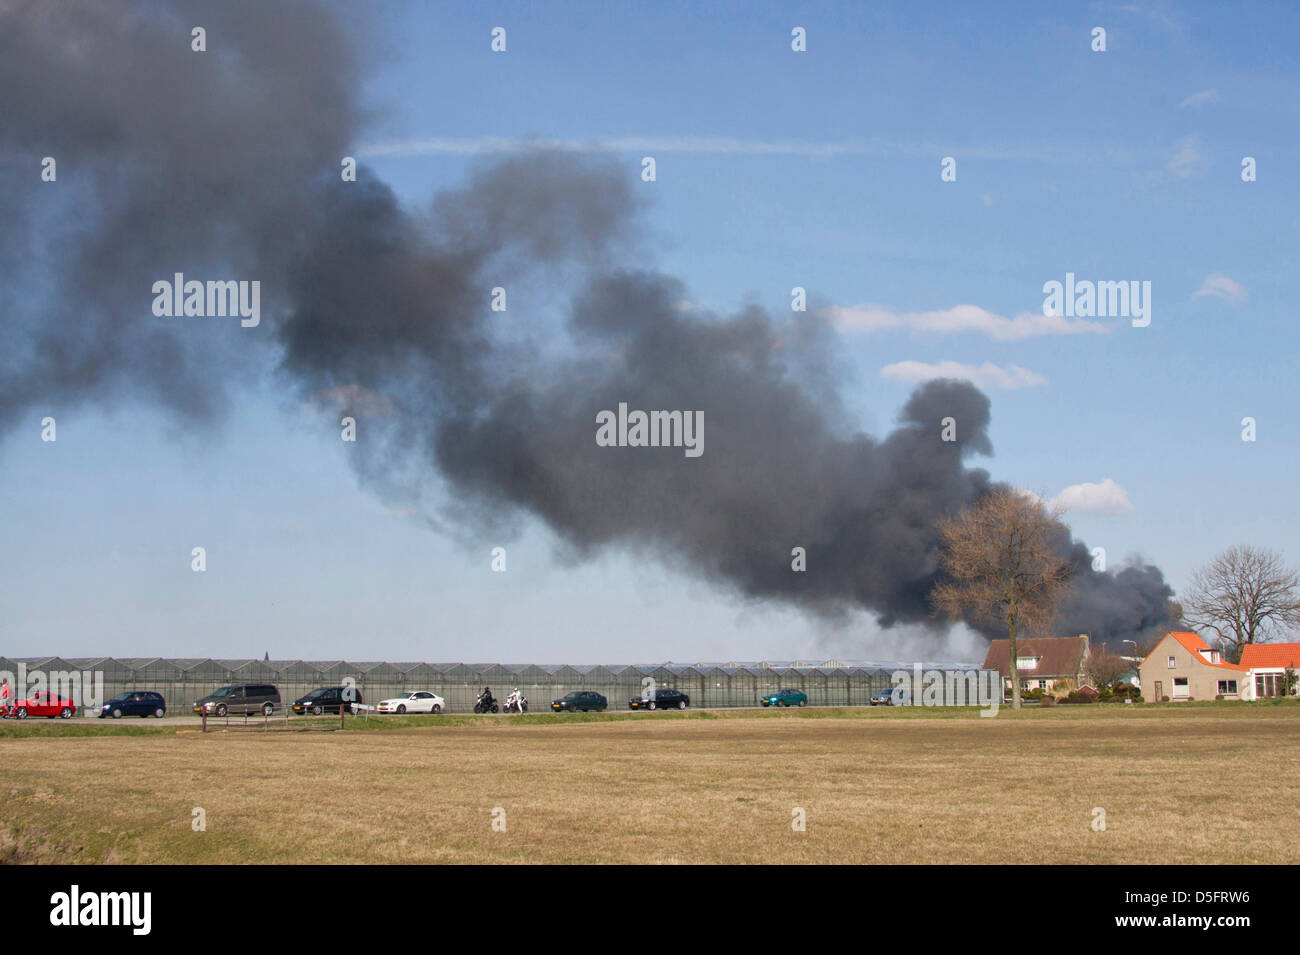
column 516, row 702
column 486, row 704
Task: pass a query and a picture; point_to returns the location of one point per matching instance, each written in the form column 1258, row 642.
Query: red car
column 43, row 704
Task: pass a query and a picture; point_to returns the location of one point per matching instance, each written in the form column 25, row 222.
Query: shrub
column 1218, row 696
column 1047, row 701
column 1139, row 698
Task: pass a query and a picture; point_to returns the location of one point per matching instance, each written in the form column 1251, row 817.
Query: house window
column 1228, row 686
column 1027, row 663
column 1181, row 688
column 1269, row 684
column 1171, row 663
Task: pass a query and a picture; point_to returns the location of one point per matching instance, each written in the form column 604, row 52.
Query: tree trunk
column 1015, row 671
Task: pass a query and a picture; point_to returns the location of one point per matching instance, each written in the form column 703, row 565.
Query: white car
column 416, row 701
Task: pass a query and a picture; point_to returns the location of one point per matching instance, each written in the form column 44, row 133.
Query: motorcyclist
column 486, row 698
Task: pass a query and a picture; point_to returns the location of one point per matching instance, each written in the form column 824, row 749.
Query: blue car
column 142, row 703
column 883, row 698
column 785, row 698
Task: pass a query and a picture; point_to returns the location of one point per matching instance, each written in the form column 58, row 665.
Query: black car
column 140, row 703
column 328, row 699
column 660, row 700
column 580, row 701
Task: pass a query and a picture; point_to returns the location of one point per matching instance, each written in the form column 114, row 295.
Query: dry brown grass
column 1177, row 786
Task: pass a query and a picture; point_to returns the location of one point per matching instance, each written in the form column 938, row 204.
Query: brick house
column 1268, row 663
column 1184, row 667
column 1042, row 662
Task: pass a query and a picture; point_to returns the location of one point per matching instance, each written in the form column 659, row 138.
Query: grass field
column 1195, row 783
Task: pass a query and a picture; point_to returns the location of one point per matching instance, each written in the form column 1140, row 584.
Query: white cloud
column 1220, row 286
column 960, row 318
column 1197, row 100
column 1106, row 498
column 1186, row 160
column 729, row 145
column 987, row 375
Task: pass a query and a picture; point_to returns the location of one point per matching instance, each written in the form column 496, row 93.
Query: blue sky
column 775, row 169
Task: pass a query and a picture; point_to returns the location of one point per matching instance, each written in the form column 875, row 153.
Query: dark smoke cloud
column 225, row 164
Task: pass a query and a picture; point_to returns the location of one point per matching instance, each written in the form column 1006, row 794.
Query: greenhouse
column 826, row 682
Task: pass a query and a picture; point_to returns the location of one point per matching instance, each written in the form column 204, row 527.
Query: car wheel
column 268, row 709
column 221, row 710
column 401, row 708
column 22, row 713
column 803, row 702
column 681, row 705
column 651, row 705
column 317, row 710
column 437, row 708
column 160, row 712
column 117, row 713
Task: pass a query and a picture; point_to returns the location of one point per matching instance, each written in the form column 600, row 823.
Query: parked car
column 45, row 704
column 664, row 699
column 580, row 701
column 785, row 698
column 328, row 699
column 143, row 703
column 416, row 701
column 240, row 698
column 883, row 698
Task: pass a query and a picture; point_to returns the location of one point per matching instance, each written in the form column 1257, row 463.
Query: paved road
column 189, row 719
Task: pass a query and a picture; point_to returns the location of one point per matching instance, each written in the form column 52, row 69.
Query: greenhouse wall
column 826, row 683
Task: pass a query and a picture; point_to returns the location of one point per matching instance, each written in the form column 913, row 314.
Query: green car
column 785, row 698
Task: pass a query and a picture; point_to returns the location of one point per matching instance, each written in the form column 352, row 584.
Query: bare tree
column 1004, row 566
column 1104, row 669
column 1245, row 595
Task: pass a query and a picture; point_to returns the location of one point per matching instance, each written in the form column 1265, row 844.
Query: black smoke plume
column 226, row 164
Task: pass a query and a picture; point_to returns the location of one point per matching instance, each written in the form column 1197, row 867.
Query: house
column 1042, row 662
column 1268, row 663
column 1184, row 667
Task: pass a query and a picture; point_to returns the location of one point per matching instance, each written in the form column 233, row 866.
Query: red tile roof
column 1193, row 643
column 1271, row 655
column 1061, row 656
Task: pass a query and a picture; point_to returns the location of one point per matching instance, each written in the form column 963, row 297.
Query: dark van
column 240, row 699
